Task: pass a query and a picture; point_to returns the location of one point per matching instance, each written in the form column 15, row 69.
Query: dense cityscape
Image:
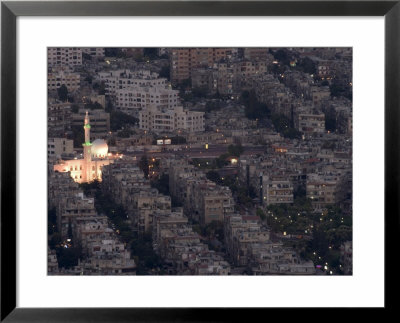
column 199, row 161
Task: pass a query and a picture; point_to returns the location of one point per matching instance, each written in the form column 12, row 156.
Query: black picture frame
column 10, row 10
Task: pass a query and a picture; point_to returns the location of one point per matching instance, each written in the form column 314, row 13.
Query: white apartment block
column 121, row 79
column 168, row 120
column 71, row 80
column 132, row 99
column 66, row 56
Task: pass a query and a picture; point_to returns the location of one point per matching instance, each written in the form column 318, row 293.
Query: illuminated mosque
column 95, row 156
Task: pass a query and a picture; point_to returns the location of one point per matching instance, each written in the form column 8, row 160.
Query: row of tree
column 242, row 193
column 253, row 108
column 328, row 230
column 258, row 111
column 285, row 126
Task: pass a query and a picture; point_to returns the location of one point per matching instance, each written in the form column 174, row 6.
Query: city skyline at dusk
column 200, row 161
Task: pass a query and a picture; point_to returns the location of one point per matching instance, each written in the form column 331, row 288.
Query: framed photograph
column 197, row 158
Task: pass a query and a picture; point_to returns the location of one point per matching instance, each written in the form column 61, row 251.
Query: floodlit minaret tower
column 87, row 150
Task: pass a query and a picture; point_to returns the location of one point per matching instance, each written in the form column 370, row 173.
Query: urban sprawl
column 199, row 161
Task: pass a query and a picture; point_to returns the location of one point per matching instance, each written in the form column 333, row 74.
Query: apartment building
column 239, row 232
column 325, row 68
column 123, row 180
column 168, row 120
column 145, row 203
column 131, row 100
column 203, row 200
column 109, row 257
column 64, row 56
column 73, row 207
column 98, row 52
column 212, row 202
column 227, row 78
column 322, row 190
column 257, row 53
column 121, row 79
column 184, row 60
column 204, row 78
column 99, row 121
column 92, row 229
column 276, row 190
column 274, row 258
column 59, row 146
column 247, row 68
column 311, row 123
column 179, row 172
column 249, row 246
column 164, row 222
column 181, row 248
column 60, row 187
column 319, row 95
column 56, row 79
column 58, row 118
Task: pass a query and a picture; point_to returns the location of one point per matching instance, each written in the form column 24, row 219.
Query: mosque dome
column 99, row 148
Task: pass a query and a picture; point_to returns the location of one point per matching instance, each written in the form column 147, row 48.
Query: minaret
column 86, row 174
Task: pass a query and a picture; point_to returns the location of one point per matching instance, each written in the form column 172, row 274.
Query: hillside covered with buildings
column 199, row 161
